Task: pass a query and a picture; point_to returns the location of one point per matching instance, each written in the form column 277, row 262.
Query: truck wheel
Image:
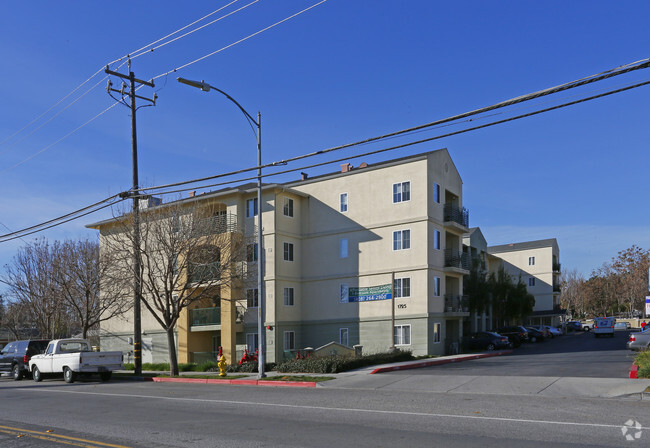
column 36, row 374
column 68, row 375
column 105, row 376
column 17, row 373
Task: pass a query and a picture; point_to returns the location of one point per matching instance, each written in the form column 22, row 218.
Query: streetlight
column 260, row 252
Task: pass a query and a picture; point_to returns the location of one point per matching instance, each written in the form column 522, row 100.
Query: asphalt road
column 122, row 414
column 574, row 355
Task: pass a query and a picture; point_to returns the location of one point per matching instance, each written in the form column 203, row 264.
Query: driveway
column 574, row 365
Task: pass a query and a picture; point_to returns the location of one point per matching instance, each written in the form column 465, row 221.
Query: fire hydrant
column 222, row 365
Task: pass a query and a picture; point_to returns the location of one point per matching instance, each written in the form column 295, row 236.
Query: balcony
column 557, row 287
column 204, row 272
column 201, row 317
column 456, row 304
column 215, row 225
column 454, row 258
column 557, row 267
column 459, row 215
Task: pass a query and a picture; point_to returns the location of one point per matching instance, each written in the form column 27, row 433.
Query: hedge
column 340, row 363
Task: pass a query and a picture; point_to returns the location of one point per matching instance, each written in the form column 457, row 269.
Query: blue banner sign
column 368, row 294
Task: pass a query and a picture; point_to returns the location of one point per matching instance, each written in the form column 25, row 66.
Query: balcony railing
column 557, row 287
column 456, row 303
column 456, row 214
column 455, row 258
column 206, row 316
column 557, row 267
column 203, row 273
column 215, row 225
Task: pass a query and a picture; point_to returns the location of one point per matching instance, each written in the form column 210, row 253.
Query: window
column 288, row 251
column 531, row 261
column 436, row 239
column 343, row 248
column 251, row 208
column 531, row 281
column 436, row 286
column 343, row 336
column 251, row 253
column 288, row 207
column 401, row 239
column 402, row 287
column 252, row 342
column 289, row 340
column 436, row 193
column 344, row 202
column 345, row 293
column 252, row 299
column 402, row 335
column 401, row 192
column 436, row 333
column 288, row 296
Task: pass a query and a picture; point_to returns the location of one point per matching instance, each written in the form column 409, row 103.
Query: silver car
column 639, row 341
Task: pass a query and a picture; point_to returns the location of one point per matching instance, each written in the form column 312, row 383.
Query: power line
column 239, row 41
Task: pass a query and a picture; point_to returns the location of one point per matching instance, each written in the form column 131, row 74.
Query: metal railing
column 459, row 215
column 205, row 316
column 456, row 303
column 557, row 287
column 455, row 258
column 215, row 225
column 204, row 272
column 557, row 267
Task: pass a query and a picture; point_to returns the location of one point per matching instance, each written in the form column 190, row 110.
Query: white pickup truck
column 72, row 357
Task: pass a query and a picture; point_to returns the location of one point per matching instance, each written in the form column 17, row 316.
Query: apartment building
column 332, row 246
column 537, row 265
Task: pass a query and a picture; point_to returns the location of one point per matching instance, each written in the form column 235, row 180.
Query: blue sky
column 341, row 72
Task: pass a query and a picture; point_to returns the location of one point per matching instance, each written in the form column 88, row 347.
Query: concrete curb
column 633, row 371
column 237, row 382
column 437, row 362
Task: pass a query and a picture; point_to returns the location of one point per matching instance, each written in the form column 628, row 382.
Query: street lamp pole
column 261, row 356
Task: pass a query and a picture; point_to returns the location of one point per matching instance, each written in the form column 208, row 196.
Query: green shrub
column 643, row 361
column 247, row 367
column 188, row 367
column 339, row 363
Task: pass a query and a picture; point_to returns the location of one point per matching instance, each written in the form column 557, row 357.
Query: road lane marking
column 50, row 437
column 324, row 408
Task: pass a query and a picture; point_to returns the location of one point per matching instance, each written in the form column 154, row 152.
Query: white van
column 604, row 325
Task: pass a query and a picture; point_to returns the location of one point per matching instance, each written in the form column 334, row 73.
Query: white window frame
column 252, row 298
column 436, row 286
column 255, row 341
column 289, row 340
column 401, row 336
column 288, row 252
column 344, row 292
column 287, row 210
column 343, row 248
column 437, row 239
column 402, row 287
column 289, row 294
column 531, row 261
column 402, row 192
column 343, row 202
column 402, row 239
column 251, row 207
column 437, row 327
column 344, row 340
column 436, row 193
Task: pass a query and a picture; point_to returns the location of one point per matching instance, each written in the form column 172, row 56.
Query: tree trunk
column 173, row 359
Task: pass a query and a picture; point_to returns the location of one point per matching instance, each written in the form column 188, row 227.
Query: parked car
column 554, row 331
column 639, row 340
column 588, row 325
column 622, row 326
column 535, row 335
column 516, row 334
column 486, row 340
column 545, row 329
column 15, row 356
column 73, row 357
column 573, row 325
column 604, row 325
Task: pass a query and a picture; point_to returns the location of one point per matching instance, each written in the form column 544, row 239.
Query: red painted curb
column 438, row 362
column 633, row 371
column 236, row 382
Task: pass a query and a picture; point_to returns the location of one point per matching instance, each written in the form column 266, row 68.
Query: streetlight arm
column 206, row 88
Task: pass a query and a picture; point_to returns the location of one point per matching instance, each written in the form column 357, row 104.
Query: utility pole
column 137, row 261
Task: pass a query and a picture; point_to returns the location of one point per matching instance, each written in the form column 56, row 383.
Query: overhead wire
column 154, row 190
column 239, row 41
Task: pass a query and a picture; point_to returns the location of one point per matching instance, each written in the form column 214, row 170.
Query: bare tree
column 30, row 277
column 16, row 320
column 188, row 255
column 572, row 297
column 79, row 271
